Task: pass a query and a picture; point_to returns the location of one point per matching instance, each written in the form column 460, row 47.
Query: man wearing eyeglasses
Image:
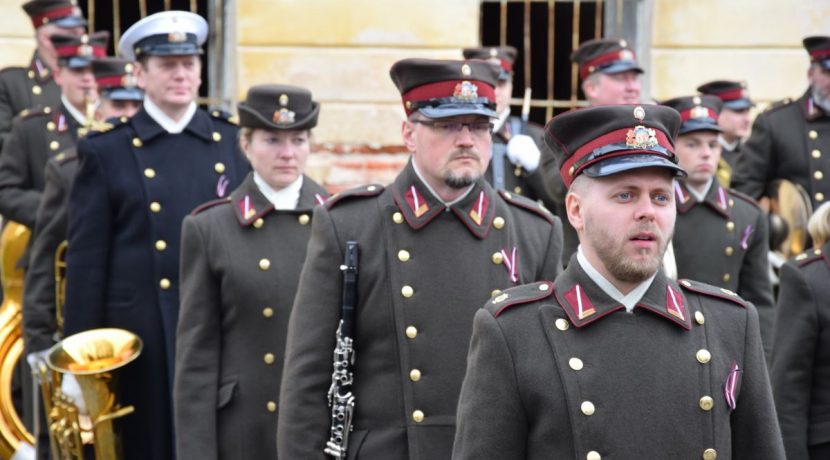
column 432, row 244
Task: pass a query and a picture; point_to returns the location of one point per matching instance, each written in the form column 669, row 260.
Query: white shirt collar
column 285, row 198
column 629, row 300
column 169, row 125
column 446, row 203
column 499, row 122
column 76, row 114
column 701, row 196
column 726, row 145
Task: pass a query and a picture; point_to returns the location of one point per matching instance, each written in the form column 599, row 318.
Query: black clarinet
column 341, row 399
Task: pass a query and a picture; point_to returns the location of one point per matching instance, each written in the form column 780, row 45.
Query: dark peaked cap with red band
column 610, row 139
column 116, row 80
column 697, row 113
column 444, row 88
column 819, row 49
column 61, row 13
column 77, row 51
column 733, row 93
column 504, row 56
column 605, row 55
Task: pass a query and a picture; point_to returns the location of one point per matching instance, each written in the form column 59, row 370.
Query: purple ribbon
column 222, row 186
column 731, row 385
column 745, row 237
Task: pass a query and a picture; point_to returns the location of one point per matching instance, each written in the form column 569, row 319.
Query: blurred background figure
column 734, row 122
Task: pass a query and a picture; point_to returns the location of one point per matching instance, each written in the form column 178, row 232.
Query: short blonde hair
column 819, row 225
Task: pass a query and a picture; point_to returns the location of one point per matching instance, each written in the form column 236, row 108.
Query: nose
column 645, row 210
column 285, row 150
column 464, row 137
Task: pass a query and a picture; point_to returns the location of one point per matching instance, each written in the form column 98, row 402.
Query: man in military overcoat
column 135, row 184
column 721, row 235
column 791, row 139
column 613, row 359
column 22, row 88
column 431, row 245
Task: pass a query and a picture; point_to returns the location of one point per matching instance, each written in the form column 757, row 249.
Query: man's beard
column 461, row 180
column 609, row 247
column 821, row 98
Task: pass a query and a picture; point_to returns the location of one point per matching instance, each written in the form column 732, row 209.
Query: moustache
column 465, row 153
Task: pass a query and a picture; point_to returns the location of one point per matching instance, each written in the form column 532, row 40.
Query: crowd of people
column 600, row 287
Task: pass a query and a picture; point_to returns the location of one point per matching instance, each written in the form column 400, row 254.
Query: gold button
column 155, row 206
column 517, row 171
column 703, row 356
column 819, row 196
column 710, row 454
column 264, row 264
column 216, row 136
column 54, row 145
column 414, row 375
column 258, row 223
column 36, row 90
column 728, row 251
column 403, row 255
column 149, row 173
column 730, row 226
column 726, row 277
column 731, row 202
column 397, row 218
column 46, row 110
column 137, row 142
column 816, row 153
column 575, row 363
column 219, row 167
column 412, row 332
column 30, row 74
column 706, row 403
column 593, row 455
column 497, row 258
column 267, row 312
column 562, row 324
column 587, row 408
column 699, row 318
column 813, row 134
column 268, row 358
column 518, row 190
column 371, row 188
column 495, row 293
column 407, row 291
column 818, row 175
column 498, row 222
column 418, row 416
column 161, row 245
column 164, row 283
column 272, row 406
column 543, row 287
column 50, row 126
column 303, row 219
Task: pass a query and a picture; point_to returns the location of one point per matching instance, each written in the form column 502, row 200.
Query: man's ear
column 408, row 134
column 574, row 207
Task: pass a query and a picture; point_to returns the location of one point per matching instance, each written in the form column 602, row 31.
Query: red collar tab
column 674, row 304
column 51, row 15
column 416, row 201
column 579, row 303
column 461, row 91
column 681, row 195
column 479, row 208
column 603, row 60
column 246, row 207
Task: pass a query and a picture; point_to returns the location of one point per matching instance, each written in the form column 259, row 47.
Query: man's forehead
column 651, row 178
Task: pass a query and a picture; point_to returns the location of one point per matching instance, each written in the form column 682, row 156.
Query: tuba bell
column 789, row 209
column 92, row 358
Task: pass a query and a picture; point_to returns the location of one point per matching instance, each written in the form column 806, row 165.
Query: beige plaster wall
column 16, row 34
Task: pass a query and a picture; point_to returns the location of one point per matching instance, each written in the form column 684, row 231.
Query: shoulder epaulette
column 66, row 157
column 11, row 69
column 224, row 116
column 779, row 104
column 527, row 203
column 364, row 191
column 519, row 295
column 712, row 291
column 808, row 257
column 204, row 206
column 744, row 197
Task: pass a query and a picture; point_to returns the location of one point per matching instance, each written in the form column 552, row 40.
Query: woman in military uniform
column 241, row 260
column 800, row 371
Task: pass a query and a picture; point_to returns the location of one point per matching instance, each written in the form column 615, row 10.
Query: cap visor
column 624, row 163
column 76, row 62
column 69, row 22
column 622, row 66
column 124, row 94
column 691, row 126
column 825, row 64
column 457, row 110
column 738, row 104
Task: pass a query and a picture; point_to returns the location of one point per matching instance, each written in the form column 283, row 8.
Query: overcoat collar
column 808, row 108
column 419, row 206
column 716, row 198
column 146, row 128
column 249, row 203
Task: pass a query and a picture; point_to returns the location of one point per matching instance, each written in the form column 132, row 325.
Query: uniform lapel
column 146, row 129
column 200, row 125
column 666, row 299
column 249, row 204
column 583, row 301
column 311, row 195
column 717, row 198
column 477, row 210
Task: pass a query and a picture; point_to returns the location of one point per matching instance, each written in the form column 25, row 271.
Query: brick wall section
column 341, row 166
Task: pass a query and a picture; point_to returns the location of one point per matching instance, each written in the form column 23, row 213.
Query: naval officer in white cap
column 136, row 183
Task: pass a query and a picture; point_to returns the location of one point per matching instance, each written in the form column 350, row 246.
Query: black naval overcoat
column 800, row 370
column 39, row 135
column 790, row 140
column 724, row 241
column 23, row 88
column 560, row 370
column 516, row 179
column 239, row 275
column 135, row 185
column 423, row 266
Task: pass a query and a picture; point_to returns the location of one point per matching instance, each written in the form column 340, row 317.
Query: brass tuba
column 789, row 209
column 60, row 284
column 93, row 358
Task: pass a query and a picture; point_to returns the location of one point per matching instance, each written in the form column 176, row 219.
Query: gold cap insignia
column 466, row 92
column 176, row 37
column 494, row 52
column 696, row 100
column 283, row 99
column 700, row 112
column 283, row 117
column 641, row 137
column 465, row 70
column 639, row 113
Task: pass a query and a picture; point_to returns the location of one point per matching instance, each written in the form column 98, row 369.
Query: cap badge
column 176, row 37
column 85, row 51
column 641, row 137
column 283, row 116
column 283, row 99
column 494, row 52
column 84, row 39
column 639, row 113
column 465, row 70
column 623, row 43
column 466, row 91
column 129, row 81
column 626, row 55
column 128, row 67
column 696, row 100
column 699, row 112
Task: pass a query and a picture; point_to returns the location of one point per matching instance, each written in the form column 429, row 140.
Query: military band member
column 613, row 359
column 45, row 132
column 800, row 360
column 518, row 155
column 432, row 244
column 241, row 261
column 721, row 235
column 734, row 121
column 135, row 184
column 791, row 139
column 22, row 88
column 118, row 99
